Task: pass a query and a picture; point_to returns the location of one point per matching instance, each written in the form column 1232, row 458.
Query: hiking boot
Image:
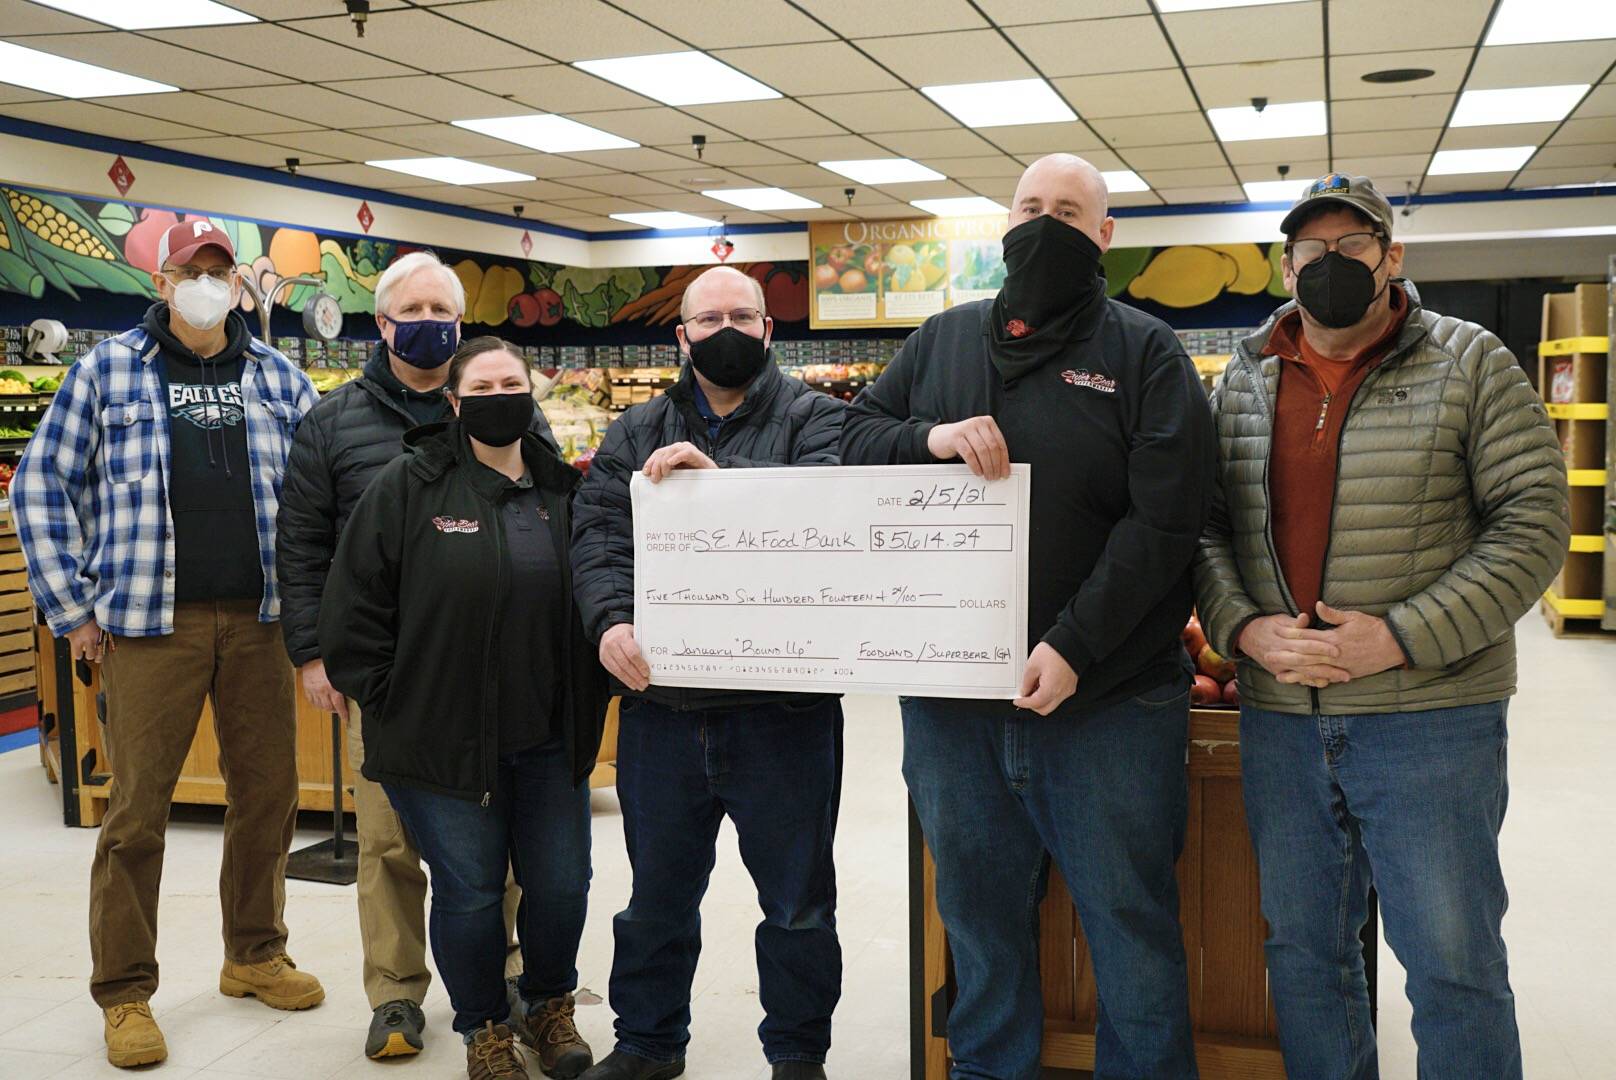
column 492, row 1053
column 276, row 982
column 133, row 1037
column 395, row 1030
column 798, row 1070
column 549, row 1030
column 621, row 1066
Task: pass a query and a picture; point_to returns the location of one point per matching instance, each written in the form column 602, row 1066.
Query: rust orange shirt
column 1314, row 395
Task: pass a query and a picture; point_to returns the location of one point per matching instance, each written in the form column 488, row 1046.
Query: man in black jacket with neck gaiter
column 1088, row 763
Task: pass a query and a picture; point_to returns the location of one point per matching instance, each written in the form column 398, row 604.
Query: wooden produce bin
column 605, row 774
column 74, row 755
column 1230, row 1007
column 16, row 620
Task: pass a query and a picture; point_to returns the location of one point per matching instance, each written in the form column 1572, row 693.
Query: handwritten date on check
column 903, row 579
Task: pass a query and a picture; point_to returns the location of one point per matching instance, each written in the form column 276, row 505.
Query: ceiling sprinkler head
column 359, row 11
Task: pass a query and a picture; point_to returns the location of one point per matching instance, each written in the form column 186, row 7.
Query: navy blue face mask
column 425, row 343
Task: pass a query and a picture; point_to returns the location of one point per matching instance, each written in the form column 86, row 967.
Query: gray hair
column 407, row 265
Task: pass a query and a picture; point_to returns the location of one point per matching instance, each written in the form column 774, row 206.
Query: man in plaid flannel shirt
column 146, row 506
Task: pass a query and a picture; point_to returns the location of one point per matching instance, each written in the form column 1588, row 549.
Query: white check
column 904, row 579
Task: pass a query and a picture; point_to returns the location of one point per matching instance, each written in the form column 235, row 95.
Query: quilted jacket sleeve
column 1518, row 484
column 305, row 537
column 1221, row 600
column 603, row 534
column 816, row 439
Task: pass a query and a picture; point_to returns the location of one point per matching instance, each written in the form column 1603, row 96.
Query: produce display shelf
column 1596, row 410
column 1575, row 609
column 1569, row 345
column 1210, row 365
column 1588, row 543
column 1586, row 477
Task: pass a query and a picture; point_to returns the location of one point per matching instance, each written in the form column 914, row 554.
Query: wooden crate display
column 16, row 616
column 1230, row 1008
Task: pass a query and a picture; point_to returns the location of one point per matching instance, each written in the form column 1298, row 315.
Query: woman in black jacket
column 449, row 617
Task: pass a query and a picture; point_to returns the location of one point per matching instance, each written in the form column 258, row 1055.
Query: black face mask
column 729, row 358
column 1337, row 290
column 1050, row 269
column 496, row 419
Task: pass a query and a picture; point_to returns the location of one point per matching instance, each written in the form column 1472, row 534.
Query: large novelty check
column 908, row 579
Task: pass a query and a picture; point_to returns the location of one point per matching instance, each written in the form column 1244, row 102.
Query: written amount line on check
column 752, row 649
column 825, row 596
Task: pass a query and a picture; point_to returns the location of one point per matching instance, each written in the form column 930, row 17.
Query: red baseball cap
column 181, row 242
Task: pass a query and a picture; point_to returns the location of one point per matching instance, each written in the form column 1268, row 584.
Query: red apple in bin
column 1231, row 693
column 1209, row 662
column 1205, row 691
column 1194, row 638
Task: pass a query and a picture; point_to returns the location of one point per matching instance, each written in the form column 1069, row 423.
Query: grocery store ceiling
column 1139, row 76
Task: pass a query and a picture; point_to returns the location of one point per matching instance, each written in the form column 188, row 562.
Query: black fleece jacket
column 1119, row 436
column 413, row 608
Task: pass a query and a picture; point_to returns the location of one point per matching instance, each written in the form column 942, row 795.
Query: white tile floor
column 1559, row 858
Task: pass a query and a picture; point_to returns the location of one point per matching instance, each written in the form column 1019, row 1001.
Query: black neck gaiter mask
column 1053, row 287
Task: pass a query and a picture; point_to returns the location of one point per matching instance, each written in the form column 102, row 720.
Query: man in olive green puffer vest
column 1393, row 499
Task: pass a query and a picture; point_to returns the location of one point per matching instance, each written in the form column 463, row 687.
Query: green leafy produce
column 47, row 384
column 591, row 295
column 16, row 375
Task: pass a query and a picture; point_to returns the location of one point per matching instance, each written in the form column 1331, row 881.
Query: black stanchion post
column 332, row 861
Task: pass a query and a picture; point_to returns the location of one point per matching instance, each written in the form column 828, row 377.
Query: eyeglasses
column 222, row 274
column 742, row 318
column 1352, row 245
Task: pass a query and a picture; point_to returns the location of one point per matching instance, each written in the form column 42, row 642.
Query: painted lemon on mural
column 1253, row 270
column 1191, row 275
column 1276, row 281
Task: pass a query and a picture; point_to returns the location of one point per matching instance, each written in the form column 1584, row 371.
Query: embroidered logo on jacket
column 1090, row 380
column 456, row 525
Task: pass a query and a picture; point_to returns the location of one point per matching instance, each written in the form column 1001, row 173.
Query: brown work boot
column 133, row 1037
column 551, row 1033
column 492, row 1053
column 276, row 982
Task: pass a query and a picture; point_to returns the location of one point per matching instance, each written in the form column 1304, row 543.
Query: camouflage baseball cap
column 1358, row 192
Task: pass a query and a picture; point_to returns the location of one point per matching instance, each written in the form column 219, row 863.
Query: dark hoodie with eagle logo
column 209, row 480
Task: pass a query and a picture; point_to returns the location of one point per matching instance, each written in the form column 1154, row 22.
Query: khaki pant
column 155, row 689
column 393, row 890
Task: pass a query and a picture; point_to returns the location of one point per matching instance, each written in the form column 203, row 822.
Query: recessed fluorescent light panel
column 548, row 132
column 965, row 206
column 666, row 219
column 54, row 74
column 679, row 78
column 1520, row 105
column 1287, row 191
column 1521, row 22
column 1122, row 181
column 762, row 198
column 1290, row 120
column 152, row 14
column 1494, row 159
column 450, row 170
column 883, row 170
column 1001, row 104
column 1167, row 7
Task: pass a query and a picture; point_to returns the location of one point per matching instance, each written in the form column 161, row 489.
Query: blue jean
column 537, row 825
column 776, row 770
column 1413, row 803
column 1104, row 793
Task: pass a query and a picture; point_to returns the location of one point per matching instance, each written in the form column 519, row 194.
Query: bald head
column 1067, row 188
column 723, row 288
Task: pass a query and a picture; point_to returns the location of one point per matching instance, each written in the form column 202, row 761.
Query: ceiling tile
column 336, row 145
column 828, row 148
column 454, row 195
column 1442, row 185
column 99, row 120
column 439, row 139
column 1499, row 66
column 557, row 88
column 1565, row 174
column 859, row 18
column 1097, row 156
column 544, row 166
column 929, row 189
column 793, row 176
column 1478, row 138
column 1589, row 154
column 1209, row 176
column 543, row 190
column 20, row 17
column 1135, row 198
column 642, row 159
column 564, row 30
column 422, row 39
column 723, row 24
column 1372, row 143
column 1347, row 72
column 429, row 96
column 1200, row 155
column 1277, row 151
column 971, row 168
column 592, row 224
column 705, row 178
column 1601, row 101
column 155, row 60
column 885, row 110
column 650, row 127
column 1093, row 47
column 1127, row 93
column 1222, row 85
column 296, row 55
column 687, row 201
column 225, row 117
column 1185, row 196
column 816, row 68
column 10, row 94
column 879, row 211
column 604, row 204
column 1390, row 114
column 316, row 105
column 958, row 142
column 1387, row 172
column 302, row 9
column 1300, row 170
column 919, row 60
column 768, row 120
column 533, row 211
column 1594, row 129
column 729, row 154
column 1022, row 12
column 1268, row 32
column 366, row 176
column 824, row 213
column 244, row 151
column 1072, row 137
column 1158, row 130
column 1363, row 26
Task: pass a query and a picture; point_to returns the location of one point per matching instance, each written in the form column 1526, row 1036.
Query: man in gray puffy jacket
column 1393, row 500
